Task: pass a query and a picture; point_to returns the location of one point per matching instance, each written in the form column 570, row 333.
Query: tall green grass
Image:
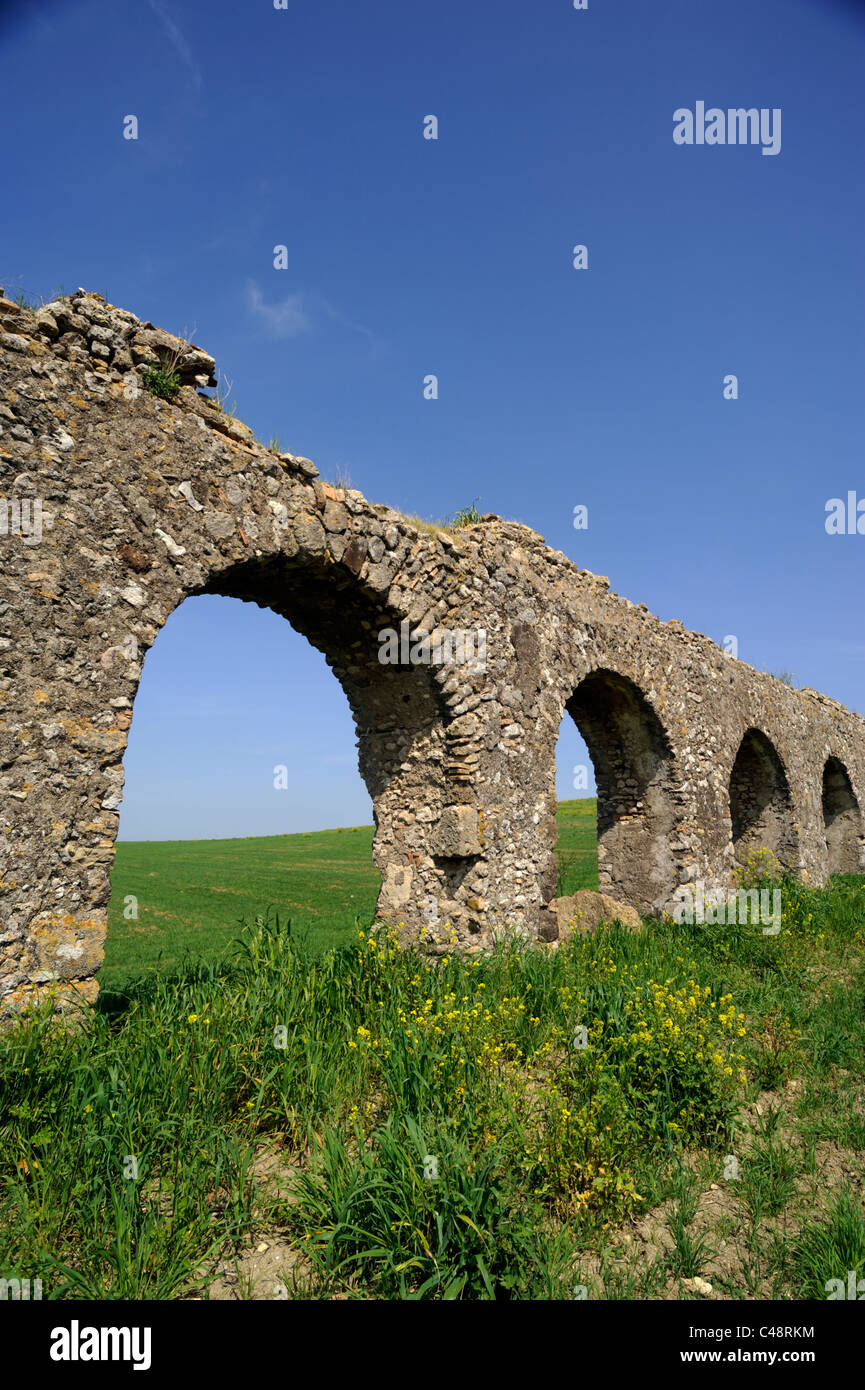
column 455, row 1129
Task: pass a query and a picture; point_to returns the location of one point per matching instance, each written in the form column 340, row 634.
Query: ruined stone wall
column 145, row 501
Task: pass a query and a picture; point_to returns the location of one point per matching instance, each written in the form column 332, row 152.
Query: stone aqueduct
column 144, row 501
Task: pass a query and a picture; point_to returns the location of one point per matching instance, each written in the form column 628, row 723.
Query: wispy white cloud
column 341, row 319
column 287, row 319
column 178, row 43
column 302, row 313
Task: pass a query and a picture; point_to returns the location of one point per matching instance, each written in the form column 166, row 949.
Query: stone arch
column 135, row 502
column 842, row 820
column 636, row 783
column 398, row 711
column 761, row 807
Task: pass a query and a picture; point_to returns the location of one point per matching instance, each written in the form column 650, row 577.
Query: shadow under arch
column 636, row 788
column 842, row 820
column 761, row 807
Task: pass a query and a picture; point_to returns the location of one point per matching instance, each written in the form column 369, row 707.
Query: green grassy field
column 577, row 845
column 627, row 1116
column 192, row 894
column 367, row 1123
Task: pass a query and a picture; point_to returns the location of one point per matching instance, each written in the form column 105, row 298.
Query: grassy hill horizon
column 191, row 895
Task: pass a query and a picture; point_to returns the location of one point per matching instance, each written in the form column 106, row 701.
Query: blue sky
column 407, row 256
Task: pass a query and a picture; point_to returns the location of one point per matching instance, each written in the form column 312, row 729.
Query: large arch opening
column 635, row 786
column 761, row 808
column 303, row 805
column 842, row 820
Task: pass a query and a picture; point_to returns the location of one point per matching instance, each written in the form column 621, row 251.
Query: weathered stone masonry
column 697, row 756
